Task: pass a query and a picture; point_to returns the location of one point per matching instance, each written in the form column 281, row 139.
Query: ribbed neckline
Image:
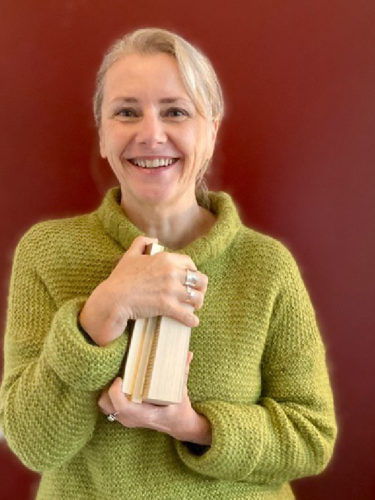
column 209, row 246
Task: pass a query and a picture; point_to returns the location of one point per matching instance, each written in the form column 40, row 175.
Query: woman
column 257, row 410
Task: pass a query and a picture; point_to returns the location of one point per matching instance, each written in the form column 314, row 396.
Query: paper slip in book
column 156, row 359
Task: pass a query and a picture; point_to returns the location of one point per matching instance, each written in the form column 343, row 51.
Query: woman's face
column 151, row 133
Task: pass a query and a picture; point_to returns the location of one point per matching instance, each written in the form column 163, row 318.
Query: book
column 156, row 359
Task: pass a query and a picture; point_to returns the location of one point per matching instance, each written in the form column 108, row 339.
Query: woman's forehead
column 136, row 75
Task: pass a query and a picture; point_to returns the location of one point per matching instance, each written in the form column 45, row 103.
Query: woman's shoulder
column 263, row 251
column 262, row 243
column 52, row 228
column 60, row 234
column 251, row 248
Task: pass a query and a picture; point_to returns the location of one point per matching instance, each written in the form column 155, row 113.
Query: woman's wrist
column 198, row 431
column 100, row 320
column 88, row 338
column 203, row 432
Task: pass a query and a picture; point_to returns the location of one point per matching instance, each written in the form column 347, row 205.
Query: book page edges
column 167, row 373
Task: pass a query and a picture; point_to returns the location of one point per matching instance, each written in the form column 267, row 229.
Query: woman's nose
column 151, row 130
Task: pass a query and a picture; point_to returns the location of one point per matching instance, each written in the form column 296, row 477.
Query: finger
column 184, row 313
column 187, row 367
column 120, row 402
column 139, row 244
column 130, row 414
column 194, row 279
column 191, row 296
column 105, row 403
column 116, row 396
column 180, row 260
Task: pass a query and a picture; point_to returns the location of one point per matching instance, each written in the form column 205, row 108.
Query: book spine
column 137, row 394
column 151, row 360
column 133, row 356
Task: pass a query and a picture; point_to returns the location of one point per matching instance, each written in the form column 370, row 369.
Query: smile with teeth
column 152, row 163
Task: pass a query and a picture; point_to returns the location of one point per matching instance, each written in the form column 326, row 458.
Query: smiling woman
column 257, row 409
column 154, row 139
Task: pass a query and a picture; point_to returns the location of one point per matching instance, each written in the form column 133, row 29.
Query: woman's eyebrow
column 164, row 100
column 124, row 99
column 171, row 100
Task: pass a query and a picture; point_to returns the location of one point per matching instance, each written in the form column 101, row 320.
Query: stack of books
column 156, row 358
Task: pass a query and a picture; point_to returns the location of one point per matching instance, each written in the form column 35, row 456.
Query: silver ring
column 190, row 293
column 191, row 278
column 112, row 416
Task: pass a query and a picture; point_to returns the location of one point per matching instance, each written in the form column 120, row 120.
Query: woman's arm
column 52, row 375
column 291, row 430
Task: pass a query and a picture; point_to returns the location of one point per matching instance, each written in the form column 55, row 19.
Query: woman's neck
column 174, row 227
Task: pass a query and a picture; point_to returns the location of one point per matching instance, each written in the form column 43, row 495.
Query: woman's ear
column 212, row 134
column 215, row 128
column 102, row 145
column 216, row 124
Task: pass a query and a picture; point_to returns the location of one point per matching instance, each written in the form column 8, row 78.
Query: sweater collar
column 209, row 246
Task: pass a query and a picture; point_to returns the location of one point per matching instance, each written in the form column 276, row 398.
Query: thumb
column 139, row 244
column 187, row 367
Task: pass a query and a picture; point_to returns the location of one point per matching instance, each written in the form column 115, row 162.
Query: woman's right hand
column 142, row 286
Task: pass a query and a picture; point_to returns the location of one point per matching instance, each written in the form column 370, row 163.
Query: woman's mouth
column 152, row 162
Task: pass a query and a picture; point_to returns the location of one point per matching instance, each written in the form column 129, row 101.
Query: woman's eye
column 176, row 113
column 126, row 113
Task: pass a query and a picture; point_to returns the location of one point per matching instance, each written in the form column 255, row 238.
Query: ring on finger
column 112, row 416
column 190, row 293
column 191, row 278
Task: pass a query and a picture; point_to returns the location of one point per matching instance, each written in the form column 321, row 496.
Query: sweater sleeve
column 291, row 430
column 52, row 374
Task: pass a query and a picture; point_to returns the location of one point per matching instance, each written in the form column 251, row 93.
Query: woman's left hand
column 180, row 421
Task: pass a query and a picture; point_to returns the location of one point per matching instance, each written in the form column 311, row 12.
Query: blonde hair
column 197, row 72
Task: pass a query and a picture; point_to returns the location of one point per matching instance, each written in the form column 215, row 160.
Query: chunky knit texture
column 258, row 374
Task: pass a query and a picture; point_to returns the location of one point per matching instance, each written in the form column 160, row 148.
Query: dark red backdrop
column 297, row 150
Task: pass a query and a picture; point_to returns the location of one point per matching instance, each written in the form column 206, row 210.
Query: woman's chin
column 153, row 187
column 157, row 196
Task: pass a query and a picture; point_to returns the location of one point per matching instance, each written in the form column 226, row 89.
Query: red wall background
column 297, row 151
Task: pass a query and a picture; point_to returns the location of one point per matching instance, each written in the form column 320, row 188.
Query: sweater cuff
column 236, row 444
column 76, row 361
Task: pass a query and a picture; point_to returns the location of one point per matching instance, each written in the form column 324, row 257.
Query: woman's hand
column 180, row 421
column 142, row 286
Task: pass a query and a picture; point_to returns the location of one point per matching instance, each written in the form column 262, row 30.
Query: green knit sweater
column 258, row 374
